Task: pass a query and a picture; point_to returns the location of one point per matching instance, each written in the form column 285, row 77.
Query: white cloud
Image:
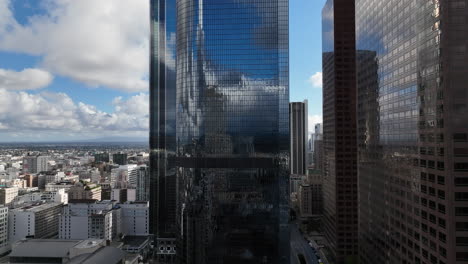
column 56, row 112
column 27, row 79
column 316, row 80
column 314, row 119
column 99, row 43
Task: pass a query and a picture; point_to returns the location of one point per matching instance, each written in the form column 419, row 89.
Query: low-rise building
column 59, row 196
column 52, row 187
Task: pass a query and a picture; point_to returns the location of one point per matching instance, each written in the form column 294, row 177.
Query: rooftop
column 103, row 255
column 37, row 207
column 135, row 241
column 55, row 248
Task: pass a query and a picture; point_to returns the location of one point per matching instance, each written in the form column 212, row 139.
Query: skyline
column 66, row 96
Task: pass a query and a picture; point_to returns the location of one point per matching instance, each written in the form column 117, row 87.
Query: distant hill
column 93, row 140
column 113, row 139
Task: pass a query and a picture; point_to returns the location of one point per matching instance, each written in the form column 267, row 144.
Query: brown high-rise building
column 339, row 131
column 299, row 132
column 412, row 67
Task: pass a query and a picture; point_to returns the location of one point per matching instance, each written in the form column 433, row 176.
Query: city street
column 300, row 246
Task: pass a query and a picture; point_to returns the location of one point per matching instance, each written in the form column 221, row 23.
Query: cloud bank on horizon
column 101, row 44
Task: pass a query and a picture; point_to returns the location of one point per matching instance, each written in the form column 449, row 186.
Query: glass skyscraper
column 220, row 129
column 412, row 68
column 163, row 128
column 232, row 131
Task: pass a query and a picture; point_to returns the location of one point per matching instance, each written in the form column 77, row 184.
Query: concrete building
column 124, row 176
column 34, row 221
column 95, row 175
column 35, row 164
column 53, row 187
column 7, row 195
column 83, row 219
column 299, row 132
column 294, row 181
column 310, row 196
column 52, row 176
column 4, row 243
column 59, row 196
column 29, row 178
column 104, row 219
column 84, row 190
column 340, row 221
column 123, row 195
column 106, row 191
column 119, row 195
column 135, row 217
column 65, row 251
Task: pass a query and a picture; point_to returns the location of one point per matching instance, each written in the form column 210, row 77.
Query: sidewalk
column 319, row 249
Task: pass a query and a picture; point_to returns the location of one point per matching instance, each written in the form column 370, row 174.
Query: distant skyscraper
column 101, row 157
column 232, row 131
column 317, row 147
column 163, row 126
column 412, row 65
column 120, row 158
column 142, row 185
column 35, row 164
column 339, row 131
column 298, row 117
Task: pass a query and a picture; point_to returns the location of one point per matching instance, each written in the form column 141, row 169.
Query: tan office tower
column 412, row 69
column 339, row 131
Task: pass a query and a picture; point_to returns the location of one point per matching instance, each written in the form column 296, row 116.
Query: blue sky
column 59, row 80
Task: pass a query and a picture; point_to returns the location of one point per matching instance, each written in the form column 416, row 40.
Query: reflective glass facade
column 412, row 67
column 232, row 131
column 340, row 218
column 163, row 126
